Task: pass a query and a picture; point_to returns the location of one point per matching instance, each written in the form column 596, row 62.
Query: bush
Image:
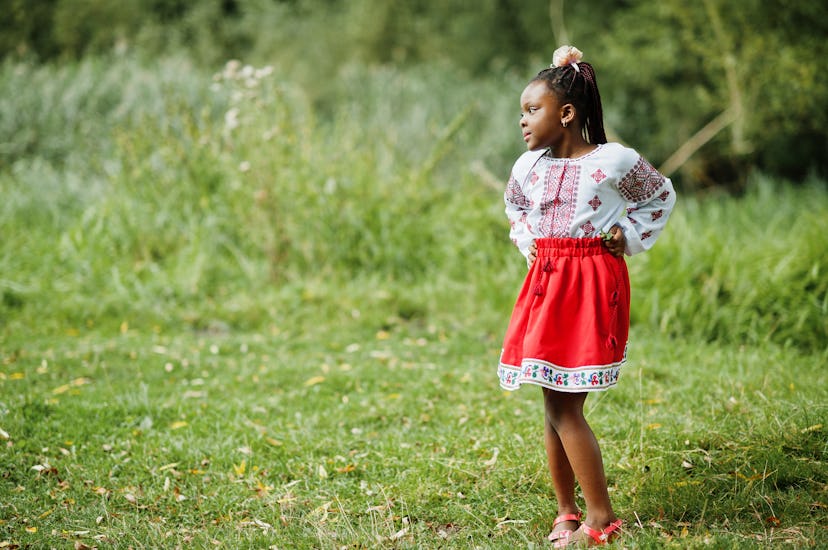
column 229, row 199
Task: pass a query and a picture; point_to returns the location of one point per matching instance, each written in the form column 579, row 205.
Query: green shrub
column 235, row 198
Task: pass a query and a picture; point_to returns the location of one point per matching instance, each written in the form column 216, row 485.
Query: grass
column 398, row 438
column 231, row 315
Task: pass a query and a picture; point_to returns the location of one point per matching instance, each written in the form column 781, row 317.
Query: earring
column 564, row 123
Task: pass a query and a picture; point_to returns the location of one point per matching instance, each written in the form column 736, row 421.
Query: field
column 240, row 313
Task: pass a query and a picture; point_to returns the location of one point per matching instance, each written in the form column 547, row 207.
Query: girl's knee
column 563, row 408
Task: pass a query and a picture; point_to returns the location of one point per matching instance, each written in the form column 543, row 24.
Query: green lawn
column 349, row 436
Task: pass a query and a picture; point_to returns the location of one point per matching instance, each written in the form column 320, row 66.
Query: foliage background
column 333, row 199
column 667, row 69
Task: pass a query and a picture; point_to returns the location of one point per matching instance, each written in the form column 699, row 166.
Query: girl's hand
column 615, row 241
column 533, row 253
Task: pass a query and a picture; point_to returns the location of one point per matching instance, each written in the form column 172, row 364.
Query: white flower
column 231, row 119
column 231, row 68
column 265, row 71
column 566, row 55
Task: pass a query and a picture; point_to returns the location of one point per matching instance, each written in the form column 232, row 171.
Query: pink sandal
column 605, row 535
column 563, row 534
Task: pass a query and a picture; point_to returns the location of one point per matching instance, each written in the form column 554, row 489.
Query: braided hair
column 580, row 88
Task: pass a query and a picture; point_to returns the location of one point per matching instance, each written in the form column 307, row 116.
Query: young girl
column 575, row 204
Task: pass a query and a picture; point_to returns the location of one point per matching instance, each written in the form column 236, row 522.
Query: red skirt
column 569, row 327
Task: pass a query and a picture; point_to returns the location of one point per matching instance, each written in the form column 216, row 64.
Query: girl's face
column 540, row 117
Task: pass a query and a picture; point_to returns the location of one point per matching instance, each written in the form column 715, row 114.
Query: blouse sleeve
column 650, row 199
column 517, row 209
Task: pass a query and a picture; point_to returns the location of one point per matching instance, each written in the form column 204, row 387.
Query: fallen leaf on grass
column 77, row 382
column 399, row 534
column 178, row 424
column 493, row 460
column 381, row 507
column 446, row 530
column 262, row 490
column 314, row 380
column 256, row 523
column 241, row 468
column 44, row 469
column 4, row 434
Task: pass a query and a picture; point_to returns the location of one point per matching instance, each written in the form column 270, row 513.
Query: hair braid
column 581, row 89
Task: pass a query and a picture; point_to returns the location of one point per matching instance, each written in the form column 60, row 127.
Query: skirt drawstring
column 548, row 267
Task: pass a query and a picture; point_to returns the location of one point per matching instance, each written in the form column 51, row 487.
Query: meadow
column 241, row 312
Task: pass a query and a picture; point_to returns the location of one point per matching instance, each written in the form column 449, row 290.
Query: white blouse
column 581, row 197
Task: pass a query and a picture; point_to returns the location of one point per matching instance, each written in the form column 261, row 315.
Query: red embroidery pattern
column 514, row 194
column 595, row 202
column 588, row 228
column 534, row 179
column 664, row 195
column 558, row 204
column 646, row 235
column 657, row 214
column 641, row 183
column 598, row 176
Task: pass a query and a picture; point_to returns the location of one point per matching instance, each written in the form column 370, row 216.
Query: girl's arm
column 650, row 197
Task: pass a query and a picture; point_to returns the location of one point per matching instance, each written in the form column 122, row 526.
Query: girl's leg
column 565, row 417
column 563, row 478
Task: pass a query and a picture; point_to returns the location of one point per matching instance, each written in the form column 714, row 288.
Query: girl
column 575, row 204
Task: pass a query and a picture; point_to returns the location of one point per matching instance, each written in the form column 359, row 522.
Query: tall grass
column 164, row 195
column 235, row 316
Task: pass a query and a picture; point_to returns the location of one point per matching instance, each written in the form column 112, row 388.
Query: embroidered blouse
column 581, row 197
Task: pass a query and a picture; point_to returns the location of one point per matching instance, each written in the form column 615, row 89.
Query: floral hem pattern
column 541, row 373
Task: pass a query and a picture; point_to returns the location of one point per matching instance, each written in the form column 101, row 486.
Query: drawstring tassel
column 538, row 289
column 548, row 267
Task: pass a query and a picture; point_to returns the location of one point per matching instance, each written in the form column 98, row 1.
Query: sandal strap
column 602, row 536
column 567, row 517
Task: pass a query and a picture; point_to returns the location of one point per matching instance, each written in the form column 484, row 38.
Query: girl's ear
column 568, row 113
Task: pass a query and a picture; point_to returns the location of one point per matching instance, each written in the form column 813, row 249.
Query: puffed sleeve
column 517, row 209
column 650, row 199
column 518, row 205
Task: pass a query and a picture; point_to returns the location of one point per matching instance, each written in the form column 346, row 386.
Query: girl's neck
column 572, row 149
column 572, row 152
